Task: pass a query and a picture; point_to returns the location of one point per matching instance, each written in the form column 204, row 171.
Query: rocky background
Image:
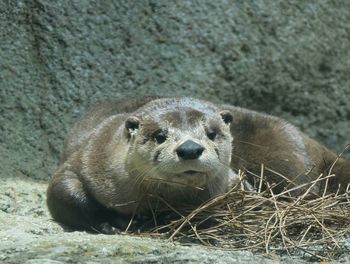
column 288, row 58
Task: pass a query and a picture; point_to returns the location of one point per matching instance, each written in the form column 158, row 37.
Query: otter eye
column 211, row 135
column 159, row 136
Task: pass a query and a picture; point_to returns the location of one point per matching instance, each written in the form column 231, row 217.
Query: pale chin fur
column 188, row 178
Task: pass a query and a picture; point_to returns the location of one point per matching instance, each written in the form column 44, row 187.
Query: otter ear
column 226, row 116
column 132, row 123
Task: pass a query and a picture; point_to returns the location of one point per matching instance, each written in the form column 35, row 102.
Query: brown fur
column 120, row 156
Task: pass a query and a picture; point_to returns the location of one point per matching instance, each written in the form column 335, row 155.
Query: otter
column 124, row 158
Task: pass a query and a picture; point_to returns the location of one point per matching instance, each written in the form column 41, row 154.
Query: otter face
column 180, row 144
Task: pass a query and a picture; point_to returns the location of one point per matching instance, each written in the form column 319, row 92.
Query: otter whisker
column 159, row 180
column 251, row 144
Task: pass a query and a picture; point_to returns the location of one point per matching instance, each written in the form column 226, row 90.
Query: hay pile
column 264, row 222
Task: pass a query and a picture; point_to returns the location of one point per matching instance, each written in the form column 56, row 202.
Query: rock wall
column 289, row 58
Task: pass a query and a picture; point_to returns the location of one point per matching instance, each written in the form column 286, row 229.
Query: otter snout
column 189, row 150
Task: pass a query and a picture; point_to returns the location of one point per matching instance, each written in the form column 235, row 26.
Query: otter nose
column 189, row 150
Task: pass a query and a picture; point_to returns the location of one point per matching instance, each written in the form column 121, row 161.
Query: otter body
column 121, row 158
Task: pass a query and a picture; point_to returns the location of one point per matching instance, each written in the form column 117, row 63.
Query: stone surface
column 289, row 58
column 29, row 236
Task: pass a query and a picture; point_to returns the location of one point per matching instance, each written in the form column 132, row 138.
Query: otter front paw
column 107, row 229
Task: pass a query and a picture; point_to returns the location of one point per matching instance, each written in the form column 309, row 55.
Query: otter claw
column 107, row 229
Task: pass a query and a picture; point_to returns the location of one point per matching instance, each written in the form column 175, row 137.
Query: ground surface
column 29, row 236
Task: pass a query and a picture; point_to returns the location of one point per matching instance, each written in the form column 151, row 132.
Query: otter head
column 180, row 143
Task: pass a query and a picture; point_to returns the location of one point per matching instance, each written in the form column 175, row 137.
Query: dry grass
column 264, row 222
